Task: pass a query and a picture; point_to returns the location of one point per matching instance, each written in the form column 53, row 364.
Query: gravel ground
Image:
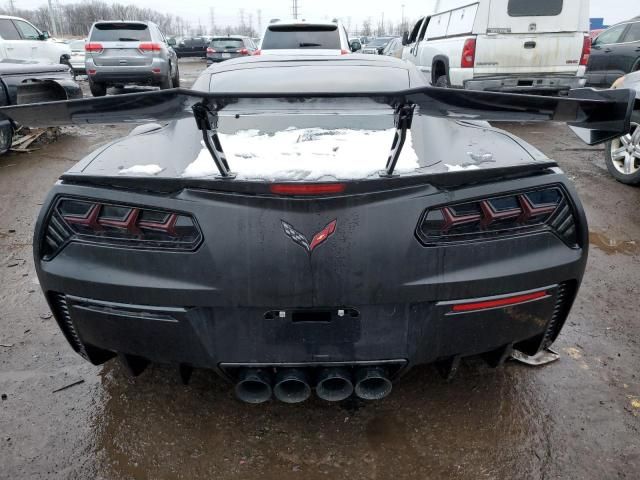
column 577, row 418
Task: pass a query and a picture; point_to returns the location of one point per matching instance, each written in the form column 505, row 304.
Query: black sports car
column 257, row 231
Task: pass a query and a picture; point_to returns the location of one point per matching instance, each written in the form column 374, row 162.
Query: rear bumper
column 128, row 74
column 541, row 84
column 409, row 334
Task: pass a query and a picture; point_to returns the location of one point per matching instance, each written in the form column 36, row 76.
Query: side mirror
column 355, row 46
column 405, row 39
column 171, row 42
column 44, row 35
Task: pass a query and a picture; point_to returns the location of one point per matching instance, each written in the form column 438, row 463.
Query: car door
column 31, row 41
column 603, row 46
column 15, row 47
column 625, row 57
column 409, row 51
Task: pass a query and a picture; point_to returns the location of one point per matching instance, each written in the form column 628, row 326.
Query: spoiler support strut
column 403, row 117
column 207, row 122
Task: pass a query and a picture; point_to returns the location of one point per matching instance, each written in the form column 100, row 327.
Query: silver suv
column 122, row 53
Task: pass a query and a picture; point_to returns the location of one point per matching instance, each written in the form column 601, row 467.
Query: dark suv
column 614, row 53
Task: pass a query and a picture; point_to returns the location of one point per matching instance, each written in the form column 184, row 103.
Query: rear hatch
column 525, row 36
column 122, row 44
column 302, row 38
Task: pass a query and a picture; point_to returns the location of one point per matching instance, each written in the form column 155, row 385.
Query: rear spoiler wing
column 594, row 115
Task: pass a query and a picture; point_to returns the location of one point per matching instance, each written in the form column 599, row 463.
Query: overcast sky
column 226, row 12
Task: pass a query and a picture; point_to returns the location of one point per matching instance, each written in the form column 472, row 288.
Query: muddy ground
column 577, row 418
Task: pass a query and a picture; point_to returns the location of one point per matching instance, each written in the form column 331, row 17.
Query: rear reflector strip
column 308, row 189
column 500, row 302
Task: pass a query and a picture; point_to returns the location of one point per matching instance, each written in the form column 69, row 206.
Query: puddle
column 613, row 246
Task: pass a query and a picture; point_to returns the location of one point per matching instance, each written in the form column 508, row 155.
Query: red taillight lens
column 307, row 189
column 147, row 47
column 496, row 217
column 121, row 225
column 344, row 52
column 498, row 302
column 210, row 50
column 244, row 51
column 93, row 47
column 469, row 53
column 258, row 52
column 586, row 51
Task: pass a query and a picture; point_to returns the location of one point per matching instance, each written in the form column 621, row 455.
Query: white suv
column 504, row 45
column 302, row 37
column 20, row 40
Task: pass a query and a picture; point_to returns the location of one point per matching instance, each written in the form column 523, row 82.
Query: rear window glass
column 120, row 32
column 223, row 43
column 301, row 36
column 537, row 8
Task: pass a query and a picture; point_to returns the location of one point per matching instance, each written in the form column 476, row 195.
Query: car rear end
column 304, row 38
column 226, row 48
column 529, row 47
column 77, row 60
column 119, row 53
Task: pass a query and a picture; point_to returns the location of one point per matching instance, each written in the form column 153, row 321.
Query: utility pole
column 294, row 9
column 12, row 7
column 52, row 20
column 212, row 20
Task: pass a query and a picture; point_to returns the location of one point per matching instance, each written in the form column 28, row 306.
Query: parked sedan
column 614, row 53
column 622, row 155
column 78, row 57
column 225, row 48
column 32, row 82
column 376, row 46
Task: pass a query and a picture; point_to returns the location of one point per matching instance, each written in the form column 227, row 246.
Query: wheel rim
column 625, row 151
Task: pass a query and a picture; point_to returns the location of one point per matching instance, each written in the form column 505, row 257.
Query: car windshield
column 120, row 32
column 279, row 37
column 226, row 43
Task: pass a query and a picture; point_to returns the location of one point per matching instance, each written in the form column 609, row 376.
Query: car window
column 120, row 32
column 223, row 43
column 610, row 36
column 423, row 30
column 537, row 8
column 301, row 36
column 8, row 30
column 414, row 33
column 633, row 34
column 27, row 31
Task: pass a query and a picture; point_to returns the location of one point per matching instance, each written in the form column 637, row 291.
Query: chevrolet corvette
column 320, row 225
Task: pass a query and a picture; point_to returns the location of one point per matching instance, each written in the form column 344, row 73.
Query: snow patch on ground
column 308, row 154
column 141, row 170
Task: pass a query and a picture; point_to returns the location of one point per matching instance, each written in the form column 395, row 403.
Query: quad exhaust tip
column 254, row 386
column 334, row 384
column 372, row 383
column 292, row 385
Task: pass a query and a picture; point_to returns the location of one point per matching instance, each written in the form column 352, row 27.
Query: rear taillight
column 344, row 52
column 497, row 217
column 243, row 51
column 211, row 50
column 586, row 51
column 147, row 47
column 469, row 53
column 119, row 225
column 258, row 52
column 93, row 47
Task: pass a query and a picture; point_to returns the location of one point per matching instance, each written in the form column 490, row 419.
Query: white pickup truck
column 20, row 40
column 523, row 46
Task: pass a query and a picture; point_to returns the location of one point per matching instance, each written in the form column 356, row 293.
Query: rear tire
column 97, row 89
column 625, row 165
column 176, row 78
column 442, row 82
column 167, row 82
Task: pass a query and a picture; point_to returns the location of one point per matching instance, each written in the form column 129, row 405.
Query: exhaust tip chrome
column 291, row 386
column 254, row 386
column 372, row 383
column 334, row 384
